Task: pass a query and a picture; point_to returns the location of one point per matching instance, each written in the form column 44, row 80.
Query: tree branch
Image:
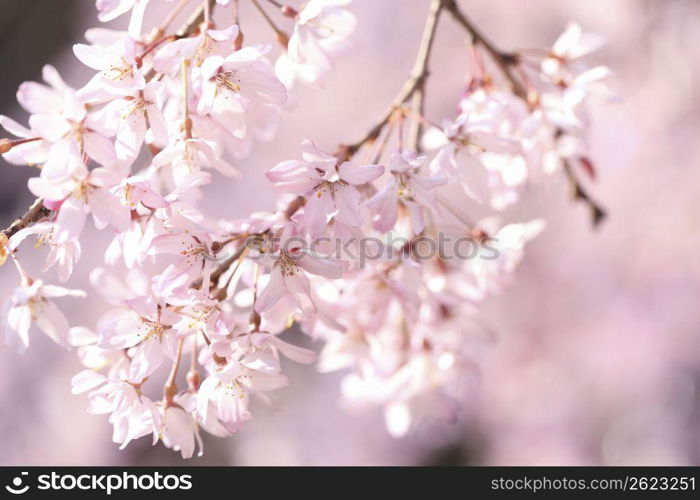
column 195, row 20
column 505, row 61
column 598, row 213
column 295, row 205
column 415, row 82
column 35, row 213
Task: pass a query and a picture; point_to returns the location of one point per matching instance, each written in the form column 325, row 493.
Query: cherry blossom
column 179, row 431
column 118, row 73
column 330, row 186
column 80, row 192
column 31, row 303
column 252, row 367
column 288, row 276
column 66, row 254
column 57, row 115
column 187, row 157
column 230, row 84
column 195, row 49
column 132, row 414
column 406, row 188
column 112, row 9
column 322, row 31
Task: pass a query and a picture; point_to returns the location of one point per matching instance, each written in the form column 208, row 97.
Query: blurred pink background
column 597, row 351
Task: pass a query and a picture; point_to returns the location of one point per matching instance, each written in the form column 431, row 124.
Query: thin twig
column 282, row 37
column 36, row 212
column 171, row 16
column 207, row 13
column 414, row 83
column 418, row 101
column 598, row 213
column 193, row 377
column 170, row 388
column 293, row 207
column 186, row 121
column 255, row 318
column 195, row 20
column 221, row 268
column 506, row 61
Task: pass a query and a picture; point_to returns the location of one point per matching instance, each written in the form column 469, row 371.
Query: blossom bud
column 193, row 379
column 169, row 392
column 153, row 149
column 533, row 99
column 5, row 145
column 588, row 167
column 479, row 234
column 282, row 38
column 187, row 127
column 238, row 42
column 3, row 248
column 289, row 11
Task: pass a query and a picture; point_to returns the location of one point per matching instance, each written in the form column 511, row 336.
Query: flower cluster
column 168, row 110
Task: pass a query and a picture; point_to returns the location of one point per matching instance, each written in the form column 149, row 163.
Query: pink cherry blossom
column 132, row 414
column 322, row 31
column 65, row 254
column 330, row 187
column 57, row 115
column 179, row 431
column 118, row 73
column 130, row 116
column 407, row 188
column 187, row 157
column 290, row 263
column 230, row 84
column 112, row 9
column 31, row 303
column 195, row 49
column 81, row 192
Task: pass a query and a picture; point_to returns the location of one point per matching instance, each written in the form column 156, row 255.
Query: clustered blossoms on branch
column 156, row 123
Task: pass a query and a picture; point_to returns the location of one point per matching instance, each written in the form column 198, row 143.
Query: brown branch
column 197, row 18
column 505, row 61
column 221, row 268
column 36, row 212
column 598, row 213
column 415, row 82
column 294, row 206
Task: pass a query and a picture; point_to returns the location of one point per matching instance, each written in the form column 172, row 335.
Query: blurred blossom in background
column 595, row 358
